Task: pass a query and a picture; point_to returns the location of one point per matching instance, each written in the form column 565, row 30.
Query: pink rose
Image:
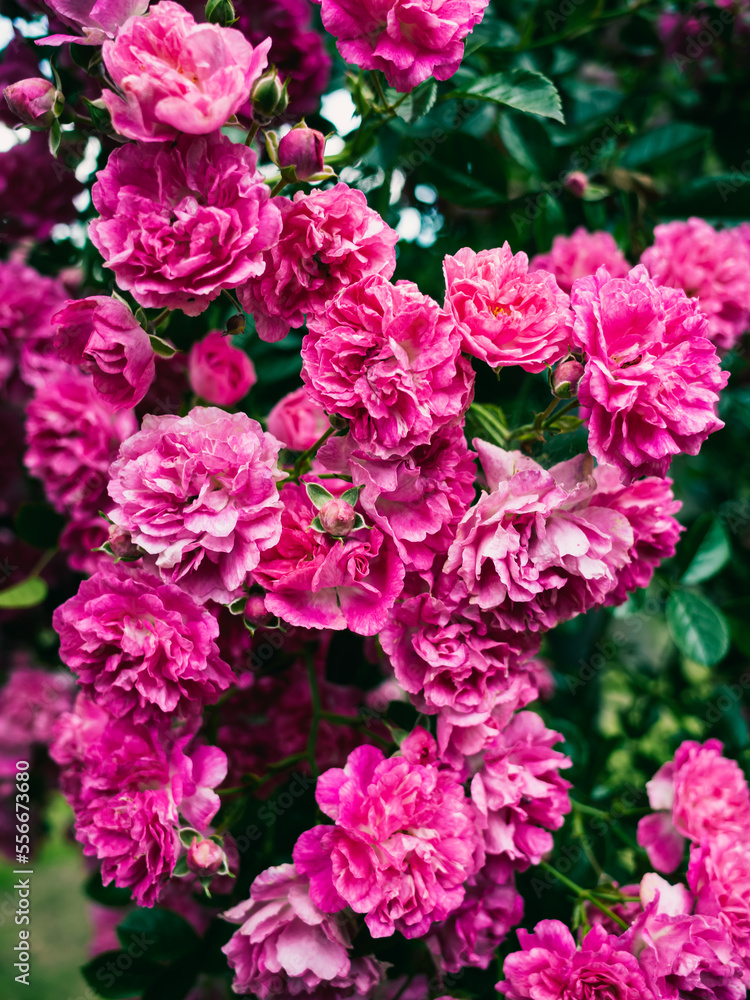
column 505, row 314
column 33, row 101
column 579, row 254
column 176, row 75
column 97, row 19
column 652, row 377
column 103, row 336
column 297, row 421
column 220, row 373
column 303, row 148
column 181, row 221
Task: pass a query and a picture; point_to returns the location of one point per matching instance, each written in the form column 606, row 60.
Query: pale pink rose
column 176, row 75
column 505, row 314
column 652, row 377
column 287, row 946
column 579, row 254
column 179, row 222
column 297, row 421
column 712, row 266
column 219, row 372
column 97, row 19
column 410, row 42
column 103, row 336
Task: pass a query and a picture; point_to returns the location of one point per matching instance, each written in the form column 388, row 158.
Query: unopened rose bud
column 235, row 324
column 303, row 148
column 337, row 517
column 566, row 377
column 33, row 101
column 220, row 12
column 121, row 543
column 577, row 183
column 255, row 610
column 268, row 97
column 205, row 858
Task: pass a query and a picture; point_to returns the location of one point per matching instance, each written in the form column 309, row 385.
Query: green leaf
column 419, row 101
column 168, row 936
column 116, row 975
column 55, row 137
column 723, row 196
column 649, row 147
column 487, row 421
column 523, row 89
column 698, row 628
column 162, row 347
column 26, row 594
column 528, row 143
column 351, row 496
column 713, row 553
column 318, row 495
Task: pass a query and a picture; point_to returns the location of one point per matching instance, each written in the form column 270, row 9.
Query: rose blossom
column 181, row 221
column 417, row 499
column 103, row 336
column 303, row 149
column 32, row 100
column 699, row 795
column 72, row 437
column 712, row 266
column 719, row 876
column 176, row 75
column 537, row 549
column 198, row 494
column 317, row 581
column 518, row 791
column 329, row 240
column 409, row 42
column 141, row 647
column 652, row 377
column 129, row 789
column 505, row 314
column 385, row 358
column 473, row 932
column 682, row 954
column 550, row 967
column 220, row 372
column 286, row 943
column 297, row 421
column 28, row 300
column 97, row 19
column 403, row 844
column 579, row 254
column 448, row 662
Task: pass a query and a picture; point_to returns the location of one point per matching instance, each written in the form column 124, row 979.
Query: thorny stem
column 583, row 894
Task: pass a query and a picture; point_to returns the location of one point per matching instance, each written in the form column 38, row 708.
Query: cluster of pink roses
column 675, row 941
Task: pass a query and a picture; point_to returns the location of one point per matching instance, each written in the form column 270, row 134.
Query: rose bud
column 577, row 183
column 268, row 97
column 121, row 544
column 33, row 101
column 337, row 517
column 205, row 858
column 303, row 149
column 566, row 377
column 219, row 372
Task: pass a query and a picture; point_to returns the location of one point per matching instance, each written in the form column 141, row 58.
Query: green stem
column 583, row 894
column 278, row 187
column 570, row 405
column 379, row 90
column 251, row 133
column 234, row 300
column 303, row 462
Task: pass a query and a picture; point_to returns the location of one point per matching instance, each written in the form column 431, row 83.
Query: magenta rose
column 403, row 844
column 505, row 314
column 385, row 357
column 33, row 101
column 652, row 377
column 409, row 42
column 318, row 581
column 103, row 336
column 719, row 876
column 198, row 494
column 220, row 373
column 176, row 75
column 141, row 647
column 329, row 240
column 181, row 221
